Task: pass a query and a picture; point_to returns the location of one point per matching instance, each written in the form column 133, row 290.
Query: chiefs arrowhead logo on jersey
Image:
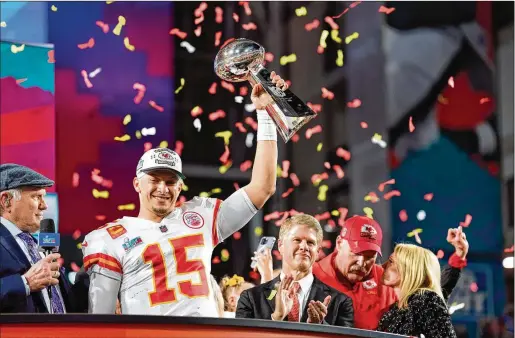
column 369, row 284
column 368, row 231
column 193, row 220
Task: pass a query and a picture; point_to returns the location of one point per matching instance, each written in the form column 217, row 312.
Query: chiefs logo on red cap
column 368, row 231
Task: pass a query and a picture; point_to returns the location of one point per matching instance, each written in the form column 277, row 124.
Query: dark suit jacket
column 13, row 264
column 254, row 303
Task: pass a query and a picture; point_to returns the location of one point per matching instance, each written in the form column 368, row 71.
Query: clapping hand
column 318, row 310
column 284, row 298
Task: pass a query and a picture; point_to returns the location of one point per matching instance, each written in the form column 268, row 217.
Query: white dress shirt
column 303, row 294
column 15, row 231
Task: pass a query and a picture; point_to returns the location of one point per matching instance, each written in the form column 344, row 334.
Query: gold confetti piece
column 138, row 134
column 223, row 169
column 319, row 146
column 127, row 119
column 335, row 213
column 3, row 24
column 203, row 194
column 335, row 37
column 322, row 192
column 15, row 49
column 323, row 37
column 302, row 11
column 216, row 191
column 226, row 136
column 339, row 59
column 121, row 22
column 258, row 231
column 180, row 88
column 163, row 144
column 279, row 171
column 130, row 206
column 224, row 255
column 128, row 45
column 351, row 37
column 414, row 232
column 79, row 246
column 272, row 294
column 369, row 212
column 124, row 138
column 53, row 8
column 288, row 59
column 100, row 194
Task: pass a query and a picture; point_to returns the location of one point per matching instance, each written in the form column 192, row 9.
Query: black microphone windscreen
column 47, row 225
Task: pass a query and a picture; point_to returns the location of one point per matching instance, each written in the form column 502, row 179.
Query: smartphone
column 264, row 243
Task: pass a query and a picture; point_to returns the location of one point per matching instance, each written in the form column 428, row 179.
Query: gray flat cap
column 13, row 176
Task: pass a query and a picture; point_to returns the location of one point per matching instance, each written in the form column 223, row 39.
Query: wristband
column 457, row 262
column 266, row 130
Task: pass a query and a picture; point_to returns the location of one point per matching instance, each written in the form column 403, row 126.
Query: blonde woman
column 414, row 274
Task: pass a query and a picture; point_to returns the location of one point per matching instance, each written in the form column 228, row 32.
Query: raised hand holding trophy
column 242, row 60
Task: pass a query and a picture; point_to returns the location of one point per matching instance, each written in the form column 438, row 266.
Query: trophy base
column 288, row 111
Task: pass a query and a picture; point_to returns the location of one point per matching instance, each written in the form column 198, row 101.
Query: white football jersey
column 163, row 267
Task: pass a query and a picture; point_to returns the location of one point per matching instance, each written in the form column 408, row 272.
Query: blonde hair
column 229, row 283
column 419, row 271
column 302, row 219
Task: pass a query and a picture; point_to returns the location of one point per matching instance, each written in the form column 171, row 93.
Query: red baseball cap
column 363, row 234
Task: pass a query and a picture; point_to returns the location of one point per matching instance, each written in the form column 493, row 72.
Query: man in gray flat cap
column 29, row 281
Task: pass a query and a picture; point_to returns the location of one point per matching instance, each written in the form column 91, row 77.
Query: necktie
column 57, row 303
column 293, row 316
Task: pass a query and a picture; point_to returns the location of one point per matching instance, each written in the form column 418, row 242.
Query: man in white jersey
column 159, row 262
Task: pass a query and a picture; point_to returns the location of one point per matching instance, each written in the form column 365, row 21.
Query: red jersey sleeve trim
column 215, row 226
column 104, row 261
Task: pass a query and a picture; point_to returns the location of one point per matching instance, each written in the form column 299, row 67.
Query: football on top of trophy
column 235, row 60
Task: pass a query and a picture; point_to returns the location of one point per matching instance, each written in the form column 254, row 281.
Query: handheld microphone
column 48, row 242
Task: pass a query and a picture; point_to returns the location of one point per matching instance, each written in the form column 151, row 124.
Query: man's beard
column 160, row 211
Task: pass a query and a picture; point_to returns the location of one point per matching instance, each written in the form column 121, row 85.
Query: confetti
column 322, row 217
column 339, row 171
column 212, row 89
column 322, row 192
column 330, row 22
column 356, row 103
column 219, row 114
column 249, row 26
column 121, row 22
column 197, row 124
column 240, row 127
column 15, row 49
column 128, row 45
column 415, row 233
column 226, row 42
column 198, row 31
column 238, row 99
column 484, row 100
column 95, row 72
column 249, row 140
column 53, row 8
column 354, row 4
column 188, row 47
column 319, row 146
column 163, row 144
column 148, row 131
column 295, row 138
column 196, row 111
column 271, row 216
column 508, row 250
column 225, row 156
column 75, row 180
column 3, row 24
column 343, row 214
column 218, row 36
column 216, row 260
column 246, row 6
column 403, row 215
column 244, row 90
column 345, row 154
column 421, row 215
column 450, row 82
column 157, row 107
column 386, row 10
column 371, row 197
column 378, row 139
column 294, row 179
column 312, row 25
column 287, row 193
column 141, row 92
column 236, row 235
column 323, row 37
column 288, row 59
column 339, row 58
column 285, row 168
column 369, row 212
column 228, row 86
column 177, row 32
column 226, row 135
column 21, row 80
column 384, row 184
column 100, row 194
column 327, row 94
column 250, row 121
column 301, row 11
column 86, row 79
column 219, row 15
column 183, row 82
column 179, row 146
column 258, row 231
column 364, row 125
column 474, row 287
column 440, row 254
column 411, row 126
column 138, row 134
column 76, row 234
column 317, row 108
column 95, row 177
column 51, row 56
column 246, row 165
column 351, row 37
column 235, row 17
column 468, row 219
column 454, row 307
column 103, row 26
column 224, row 254
column 124, row 138
column 89, row 44
column 311, row 131
column 428, row 197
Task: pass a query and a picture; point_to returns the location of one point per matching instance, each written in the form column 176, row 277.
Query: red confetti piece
column 287, row 193
column 317, row 108
column 327, row 244
column 228, row 86
column 327, row 165
column 51, row 56
column 294, row 212
column 249, row 26
column 451, row 82
column 411, row 126
column 327, row 94
column 428, row 197
column 236, row 186
column 324, row 216
column 100, row 217
column 311, row 131
column 218, row 36
column 86, row 79
column 216, row 260
column 468, row 219
column 76, row 234
column 273, row 215
column 372, row 196
column 474, row 287
column 246, row 165
column 141, row 92
column 225, row 156
column 294, row 179
column 157, row 107
column 75, row 180
column 295, row 138
column 240, row 127
column 440, row 254
column 354, row 4
column 280, row 222
column 269, row 57
column 508, row 250
column 179, row 146
column 343, row 214
column 330, row 21
column 364, row 125
column 319, row 177
column 320, row 49
column 226, row 42
column 484, row 100
column 250, row 121
column 237, row 235
column 89, row 44
column 277, row 255
column 212, row 89
column 339, row 171
column 244, row 90
column 246, row 6
column 386, row 10
column 177, row 32
column 147, row 146
column 219, row 15
column 74, row 267
column 356, row 103
column 235, row 17
column 312, row 25
column 382, row 185
column 196, row 111
column 103, row 26
column 198, row 31
column 391, row 194
column 285, row 168
column 345, row 154
column 403, row 215
column 219, row 114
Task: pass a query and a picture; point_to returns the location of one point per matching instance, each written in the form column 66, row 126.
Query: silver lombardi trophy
column 242, row 60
